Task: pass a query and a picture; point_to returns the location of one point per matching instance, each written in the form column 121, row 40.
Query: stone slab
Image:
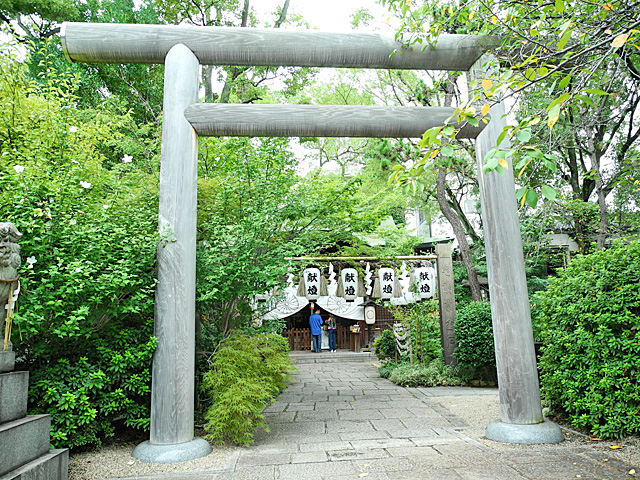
column 23, row 440
column 179, row 452
column 52, row 466
column 545, row 432
column 14, row 388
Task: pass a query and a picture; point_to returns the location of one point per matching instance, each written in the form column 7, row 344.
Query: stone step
column 14, row 388
column 54, row 465
column 23, row 440
column 332, row 357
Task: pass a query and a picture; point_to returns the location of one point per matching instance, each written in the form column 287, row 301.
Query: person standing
column 331, row 331
column 315, row 320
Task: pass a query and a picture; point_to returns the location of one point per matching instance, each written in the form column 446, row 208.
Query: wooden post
column 173, row 376
column 511, row 316
column 447, row 301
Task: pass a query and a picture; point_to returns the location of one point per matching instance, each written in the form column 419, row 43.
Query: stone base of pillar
column 545, row 432
column 178, row 452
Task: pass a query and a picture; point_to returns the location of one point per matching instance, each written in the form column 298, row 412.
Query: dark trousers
column 317, row 342
column 332, row 339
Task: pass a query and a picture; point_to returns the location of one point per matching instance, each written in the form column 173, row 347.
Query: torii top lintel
column 139, row 43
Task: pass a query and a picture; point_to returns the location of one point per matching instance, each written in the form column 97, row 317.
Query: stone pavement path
column 340, row 420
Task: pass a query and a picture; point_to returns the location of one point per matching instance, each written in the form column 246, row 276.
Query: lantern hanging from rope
column 386, row 280
column 312, row 283
column 349, row 277
column 425, row 282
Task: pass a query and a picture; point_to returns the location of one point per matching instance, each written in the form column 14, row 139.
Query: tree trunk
column 458, row 230
column 449, row 213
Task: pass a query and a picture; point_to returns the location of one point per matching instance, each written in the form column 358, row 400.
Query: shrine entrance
column 183, row 49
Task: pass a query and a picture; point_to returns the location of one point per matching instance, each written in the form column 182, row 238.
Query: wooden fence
column 300, row 338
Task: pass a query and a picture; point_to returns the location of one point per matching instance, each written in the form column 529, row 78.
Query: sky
column 330, row 15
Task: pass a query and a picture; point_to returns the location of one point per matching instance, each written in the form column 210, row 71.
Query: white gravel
column 115, row 461
column 478, row 410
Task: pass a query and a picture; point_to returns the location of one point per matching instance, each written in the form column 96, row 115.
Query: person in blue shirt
column 315, row 320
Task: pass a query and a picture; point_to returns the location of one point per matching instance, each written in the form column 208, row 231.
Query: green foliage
column 387, row 368
column 433, row 374
column 385, row 345
column 246, row 374
column 474, row 336
column 590, row 365
column 88, row 249
column 423, row 320
column 88, row 395
column 567, row 39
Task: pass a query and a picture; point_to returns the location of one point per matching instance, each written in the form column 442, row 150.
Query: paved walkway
column 340, row 420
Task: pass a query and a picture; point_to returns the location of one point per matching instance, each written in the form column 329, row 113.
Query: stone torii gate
column 183, row 49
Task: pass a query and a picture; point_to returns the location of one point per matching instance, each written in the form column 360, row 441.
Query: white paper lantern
column 349, row 283
column 312, row 283
column 386, row 277
column 370, row 314
column 425, row 279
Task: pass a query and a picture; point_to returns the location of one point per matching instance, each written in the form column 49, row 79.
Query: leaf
column 564, row 82
column 532, row 198
column 550, row 165
column 564, row 39
column 595, row 91
column 525, row 166
column 447, row 151
column 524, row 135
column 607, row 6
column 494, row 19
column 559, row 6
column 485, row 109
column 448, row 130
column 486, row 84
column 501, row 137
column 614, row 447
column 524, row 196
column 503, row 163
column 620, row 40
column 549, row 192
column 554, row 114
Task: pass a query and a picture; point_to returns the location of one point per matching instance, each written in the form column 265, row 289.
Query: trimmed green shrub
column 590, row 364
column 475, row 349
column 385, row 345
column 247, row 374
column 435, row 374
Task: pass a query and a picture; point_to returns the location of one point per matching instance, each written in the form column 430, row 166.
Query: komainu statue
column 9, row 278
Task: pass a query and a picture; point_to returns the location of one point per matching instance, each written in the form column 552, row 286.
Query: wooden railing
column 300, row 338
